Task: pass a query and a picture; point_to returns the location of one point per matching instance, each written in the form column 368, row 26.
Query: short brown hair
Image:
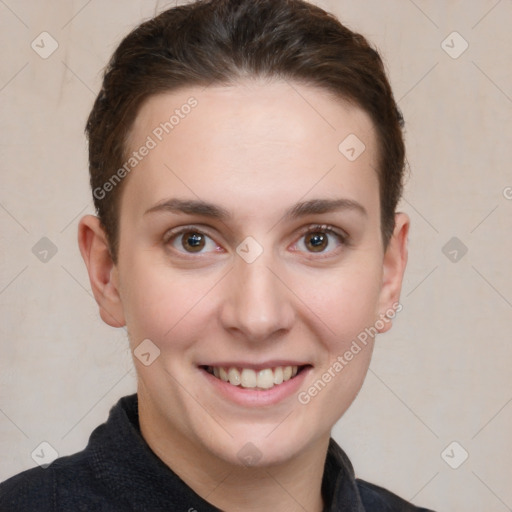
column 219, row 41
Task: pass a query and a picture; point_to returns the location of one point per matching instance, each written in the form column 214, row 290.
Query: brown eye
column 321, row 239
column 316, row 241
column 192, row 241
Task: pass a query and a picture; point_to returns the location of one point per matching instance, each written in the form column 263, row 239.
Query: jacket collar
column 339, row 487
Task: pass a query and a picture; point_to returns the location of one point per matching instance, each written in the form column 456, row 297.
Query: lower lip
column 257, row 397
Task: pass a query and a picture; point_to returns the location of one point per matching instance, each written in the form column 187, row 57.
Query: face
column 250, row 247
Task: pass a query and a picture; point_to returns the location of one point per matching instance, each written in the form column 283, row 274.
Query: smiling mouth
column 248, row 378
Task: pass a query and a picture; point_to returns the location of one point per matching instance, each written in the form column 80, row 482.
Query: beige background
column 443, row 372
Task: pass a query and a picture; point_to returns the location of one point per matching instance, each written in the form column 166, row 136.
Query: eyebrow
column 301, row 209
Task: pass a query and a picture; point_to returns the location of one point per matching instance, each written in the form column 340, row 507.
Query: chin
column 250, row 447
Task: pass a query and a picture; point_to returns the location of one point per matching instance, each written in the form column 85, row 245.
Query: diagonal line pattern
column 269, row 474
column 485, row 218
column 418, row 82
column 424, row 14
column 492, row 81
column 490, row 490
column 285, row 490
column 13, row 217
column 184, row 184
column 413, row 497
column 492, row 286
column 95, row 404
column 219, row 484
column 75, row 217
column 13, row 279
column 78, row 78
column 279, row 424
column 480, row 430
column 9, row 419
column 310, row 104
column 423, row 280
column 421, row 215
column 13, row 13
column 75, row 15
column 77, row 281
column 491, row 9
column 13, row 77
column 409, row 408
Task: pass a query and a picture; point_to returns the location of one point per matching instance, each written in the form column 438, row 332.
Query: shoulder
column 377, row 498
column 341, row 483
column 29, row 490
column 86, row 480
column 48, row 489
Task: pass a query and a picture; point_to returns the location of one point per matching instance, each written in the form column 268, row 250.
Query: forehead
column 252, row 145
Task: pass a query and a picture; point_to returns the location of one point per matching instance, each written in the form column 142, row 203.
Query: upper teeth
column 248, row 378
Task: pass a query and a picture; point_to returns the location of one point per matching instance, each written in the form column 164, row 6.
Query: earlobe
column 102, row 271
column 394, row 263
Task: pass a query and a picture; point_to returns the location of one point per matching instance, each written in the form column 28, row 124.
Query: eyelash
column 342, row 237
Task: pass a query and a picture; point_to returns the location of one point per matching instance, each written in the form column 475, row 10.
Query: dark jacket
column 117, row 471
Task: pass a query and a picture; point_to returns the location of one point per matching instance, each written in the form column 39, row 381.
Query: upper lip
column 256, row 366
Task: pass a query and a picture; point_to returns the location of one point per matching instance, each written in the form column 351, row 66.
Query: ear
column 103, row 273
column 394, row 263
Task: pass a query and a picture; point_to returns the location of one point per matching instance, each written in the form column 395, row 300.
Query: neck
column 283, row 488
column 290, row 486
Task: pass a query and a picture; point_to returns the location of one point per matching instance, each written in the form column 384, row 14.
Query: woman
column 246, row 161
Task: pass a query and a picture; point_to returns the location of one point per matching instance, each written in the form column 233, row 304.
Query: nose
column 258, row 306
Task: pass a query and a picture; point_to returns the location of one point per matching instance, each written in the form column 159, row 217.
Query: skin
column 256, row 149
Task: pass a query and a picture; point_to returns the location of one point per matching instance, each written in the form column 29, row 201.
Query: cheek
column 160, row 304
column 345, row 301
column 348, row 308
